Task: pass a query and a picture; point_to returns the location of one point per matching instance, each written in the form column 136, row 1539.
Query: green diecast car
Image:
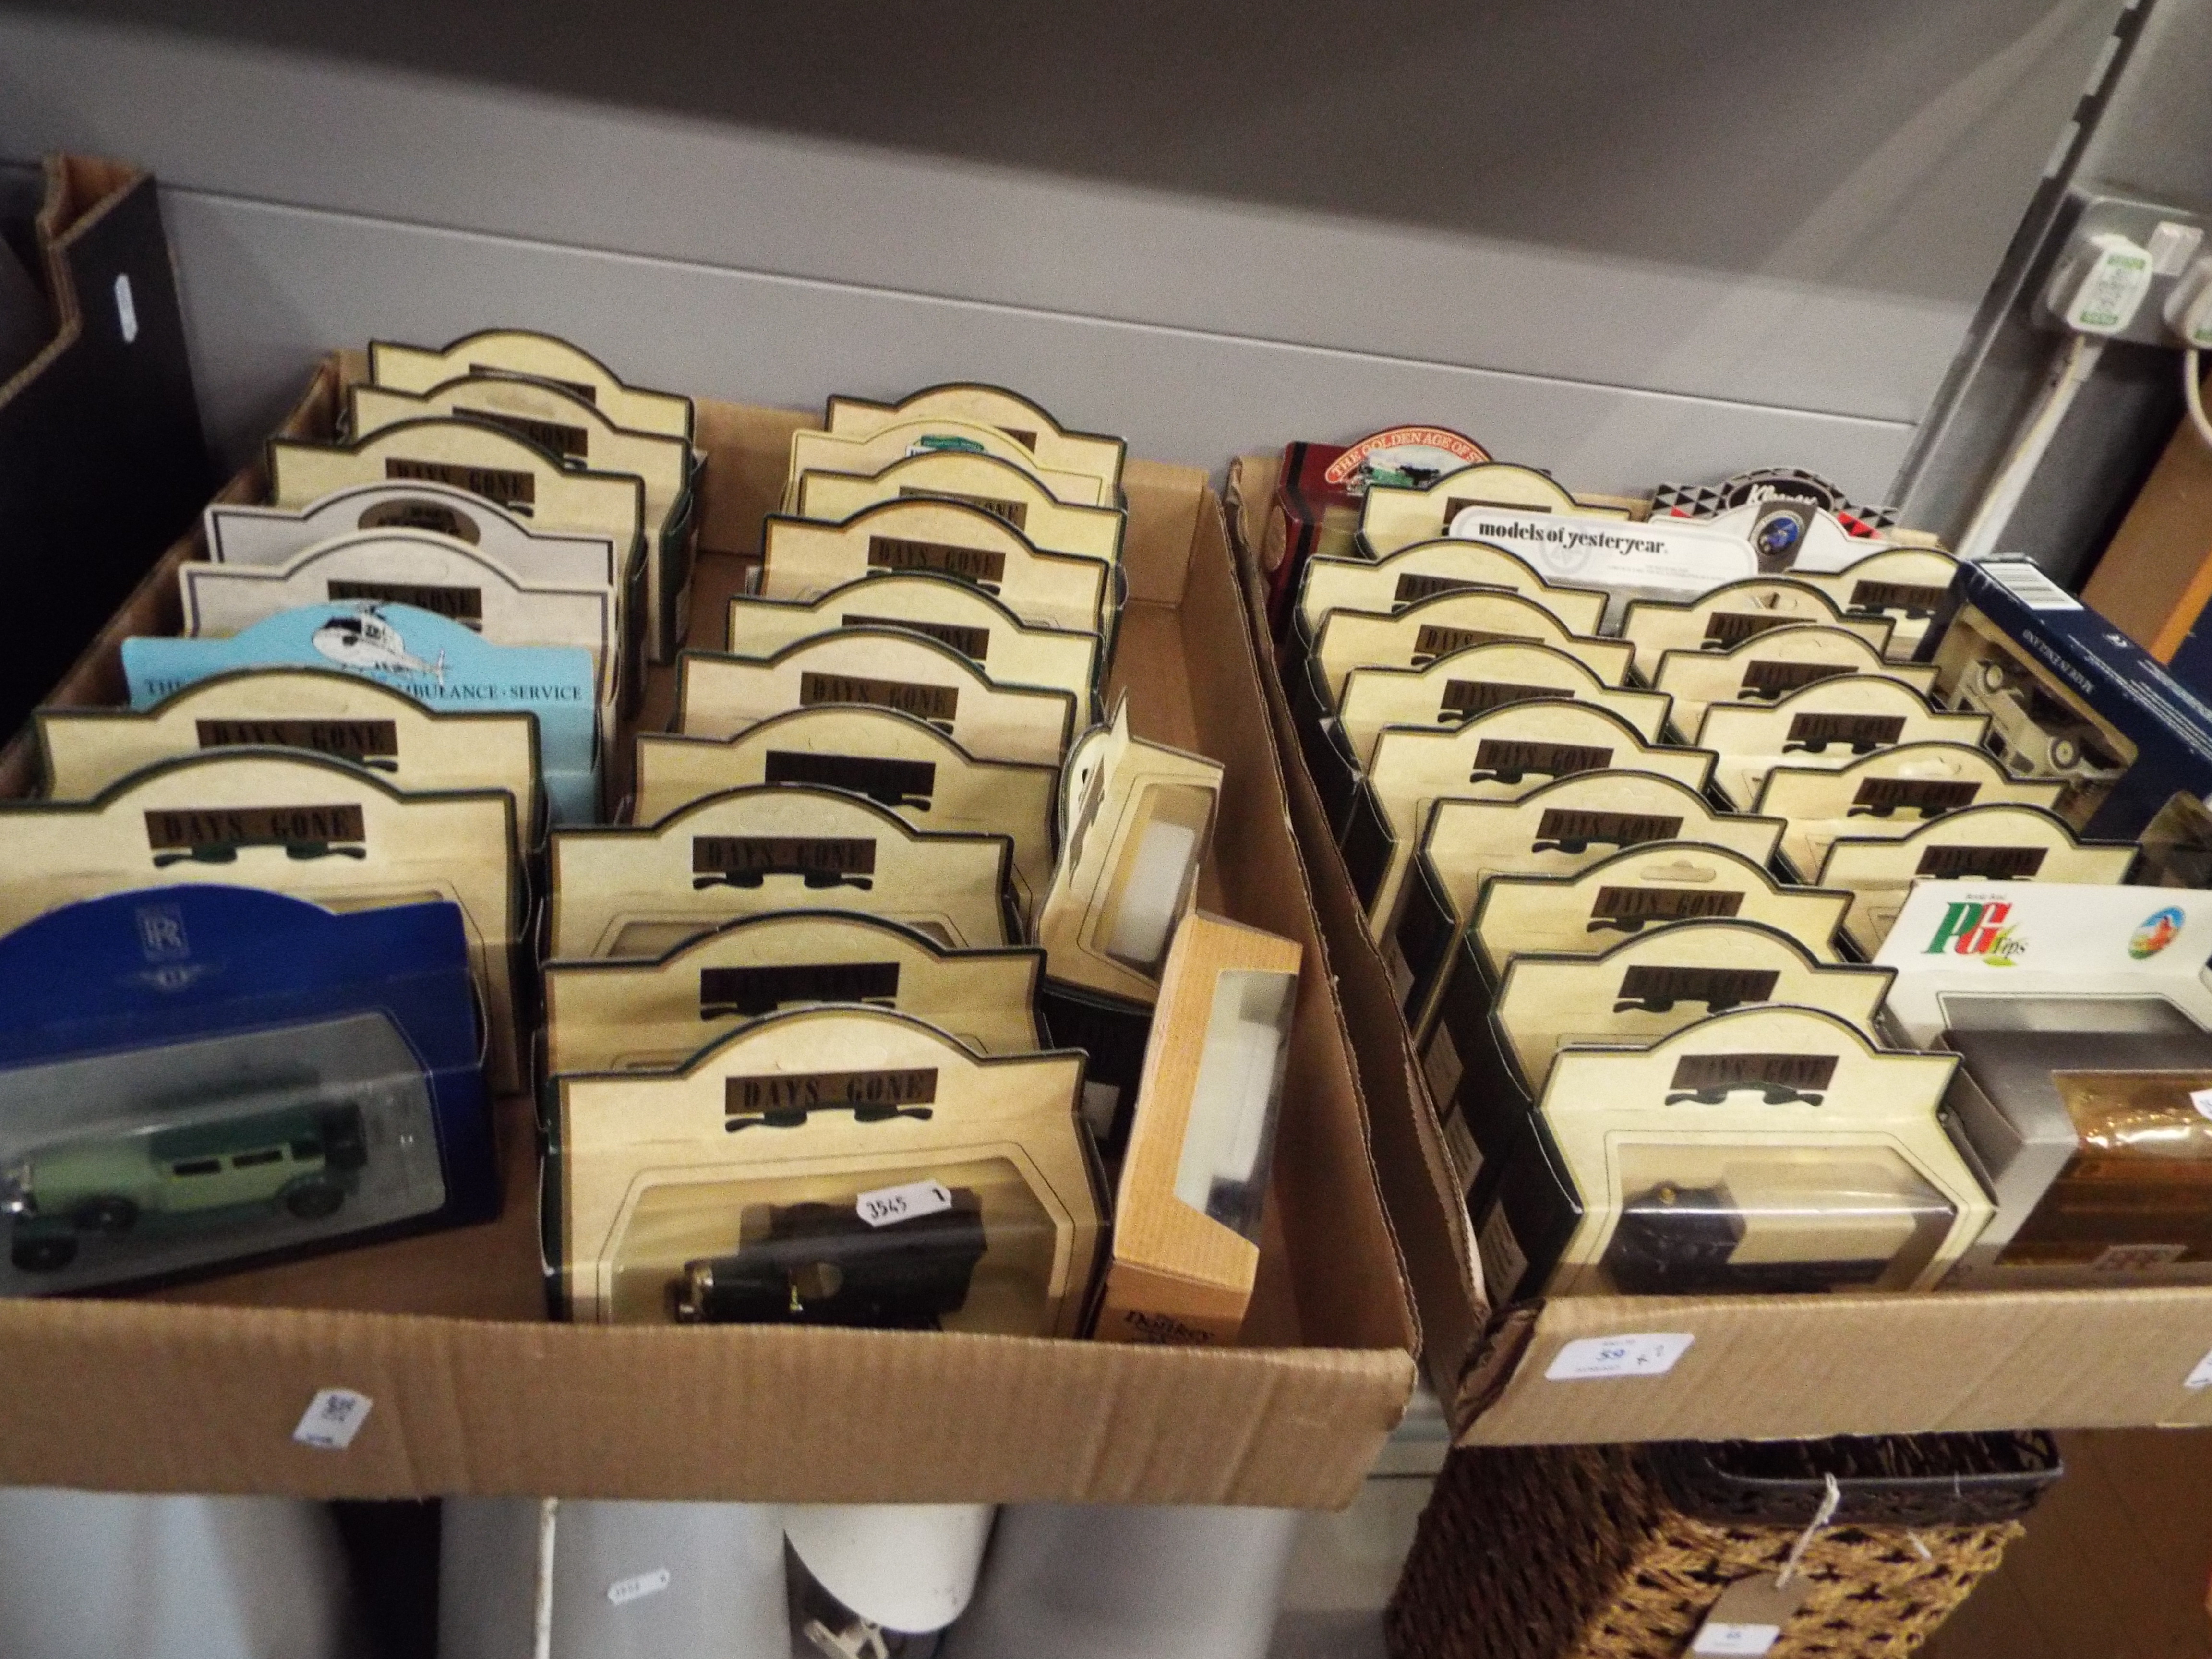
column 302, row 1160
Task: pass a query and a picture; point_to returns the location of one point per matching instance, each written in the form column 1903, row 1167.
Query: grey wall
column 1623, row 242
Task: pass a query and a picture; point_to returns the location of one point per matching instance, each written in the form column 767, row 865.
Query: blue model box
column 434, row 660
column 2070, row 697
column 194, row 1076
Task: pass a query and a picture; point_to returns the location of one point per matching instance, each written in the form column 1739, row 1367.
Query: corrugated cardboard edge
column 192, row 1396
column 1406, row 1146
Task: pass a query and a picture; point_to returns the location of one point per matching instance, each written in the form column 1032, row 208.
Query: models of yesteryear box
column 1725, row 617
column 1186, row 1238
column 2069, row 697
column 1319, row 492
column 438, row 663
column 194, row 1075
column 2081, row 1016
column 460, row 1384
column 1421, row 572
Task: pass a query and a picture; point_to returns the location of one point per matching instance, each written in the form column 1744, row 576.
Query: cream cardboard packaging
column 1194, row 1177
column 470, row 1389
column 1597, row 1369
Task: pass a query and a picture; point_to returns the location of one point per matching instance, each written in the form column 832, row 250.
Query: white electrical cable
column 2012, row 479
column 2192, row 383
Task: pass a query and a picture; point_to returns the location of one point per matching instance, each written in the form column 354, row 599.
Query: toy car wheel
column 43, row 1255
column 311, row 1201
column 111, row 1213
column 1993, row 677
column 2065, row 753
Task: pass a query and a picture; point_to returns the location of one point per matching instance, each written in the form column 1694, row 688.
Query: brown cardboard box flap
column 198, row 1388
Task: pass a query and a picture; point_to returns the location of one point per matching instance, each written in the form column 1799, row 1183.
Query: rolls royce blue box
column 196, row 1076
column 2068, row 696
column 434, row 659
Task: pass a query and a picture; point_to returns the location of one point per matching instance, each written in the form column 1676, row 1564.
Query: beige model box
column 1771, row 665
column 858, row 456
column 1890, row 793
column 1735, row 612
column 522, row 353
column 638, row 892
column 610, row 1015
column 1905, row 584
column 1559, row 829
column 1494, row 757
column 1828, row 723
column 1451, row 622
column 1055, row 447
column 789, row 1175
column 949, row 609
column 472, row 1391
column 904, row 765
column 719, row 694
column 1185, row 1245
column 1006, row 490
column 1476, row 679
column 1421, row 572
column 806, row 558
column 321, row 711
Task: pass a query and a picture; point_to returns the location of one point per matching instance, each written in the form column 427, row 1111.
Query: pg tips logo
column 1979, row 928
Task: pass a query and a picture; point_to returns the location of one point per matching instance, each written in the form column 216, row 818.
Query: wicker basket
column 1619, row 1552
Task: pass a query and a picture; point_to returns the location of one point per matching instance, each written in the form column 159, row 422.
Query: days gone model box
column 470, row 1390
column 1607, row 1367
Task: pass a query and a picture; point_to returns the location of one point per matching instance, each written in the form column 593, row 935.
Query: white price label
column 2202, row 1100
column 126, row 309
column 333, row 1416
column 638, row 1586
column 1736, row 1638
column 887, row 1205
column 1649, row 1353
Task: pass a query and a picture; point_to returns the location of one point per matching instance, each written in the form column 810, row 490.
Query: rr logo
column 1973, row 929
column 161, row 933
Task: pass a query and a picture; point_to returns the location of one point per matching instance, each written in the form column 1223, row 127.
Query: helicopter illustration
column 364, row 640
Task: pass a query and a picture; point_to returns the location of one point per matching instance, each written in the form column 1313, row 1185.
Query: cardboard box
column 199, row 1388
column 2156, row 572
column 1598, row 1369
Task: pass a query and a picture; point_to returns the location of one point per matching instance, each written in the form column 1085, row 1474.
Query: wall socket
column 2174, row 237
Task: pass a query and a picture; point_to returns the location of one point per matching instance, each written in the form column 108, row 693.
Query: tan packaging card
column 642, row 891
column 1136, row 819
column 1890, row 793
column 805, row 560
column 1436, row 628
column 1393, row 517
column 1905, row 584
column 1786, row 1123
column 344, row 717
column 1830, row 723
column 1000, row 488
column 817, row 450
column 1056, row 448
column 1477, row 680
column 1646, row 887
column 1646, row 987
column 1730, row 614
column 519, row 352
column 897, row 762
column 1428, row 568
column 1772, row 665
column 726, row 1190
column 508, row 470
column 718, row 695
column 420, row 567
column 1999, row 841
column 613, row 1015
column 955, row 613
column 1562, row 827
column 550, row 417
column 293, row 822
column 1186, row 1240
column 1498, row 756
column 268, row 536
